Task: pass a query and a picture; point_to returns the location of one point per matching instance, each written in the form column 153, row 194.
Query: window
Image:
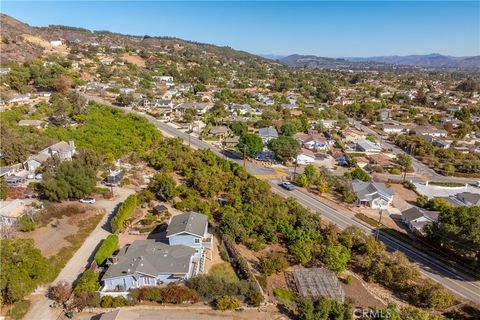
column 197, row 240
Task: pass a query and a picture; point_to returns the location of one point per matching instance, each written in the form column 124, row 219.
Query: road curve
column 459, row 283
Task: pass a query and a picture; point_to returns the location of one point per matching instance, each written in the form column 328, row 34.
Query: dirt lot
column 134, row 59
column 358, row 295
column 53, row 236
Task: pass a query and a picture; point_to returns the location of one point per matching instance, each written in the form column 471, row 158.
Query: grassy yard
column 285, row 296
column 58, row 261
column 224, row 270
column 19, row 309
column 446, row 184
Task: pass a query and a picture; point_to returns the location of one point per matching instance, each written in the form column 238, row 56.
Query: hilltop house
column 312, row 140
column 372, row 194
column 417, row 219
column 305, row 157
column 148, row 263
column 267, row 134
column 10, row 211
column 190, row 229
column 62, row 150
column 430, row 131
column 219, row 132
column 368, row 146
column 152, row 263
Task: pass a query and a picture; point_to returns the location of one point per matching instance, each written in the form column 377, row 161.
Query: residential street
column 456, row 281
column 75, row 266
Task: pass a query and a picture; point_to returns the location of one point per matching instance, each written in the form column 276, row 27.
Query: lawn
column 224, row 270
column 285, row 296
column 19, row 309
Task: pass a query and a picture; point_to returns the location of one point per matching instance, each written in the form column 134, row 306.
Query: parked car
column 87, row 200
column 287, row 185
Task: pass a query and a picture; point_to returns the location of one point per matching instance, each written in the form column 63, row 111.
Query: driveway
column 76, row 265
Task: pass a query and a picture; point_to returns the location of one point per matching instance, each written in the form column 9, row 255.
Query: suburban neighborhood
column 146, row 176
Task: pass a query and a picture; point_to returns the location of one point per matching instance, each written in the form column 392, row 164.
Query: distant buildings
column 368, row 146
column 62, row 150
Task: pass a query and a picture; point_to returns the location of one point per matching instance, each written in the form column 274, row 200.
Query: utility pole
column 379, row 224
column 244, row 156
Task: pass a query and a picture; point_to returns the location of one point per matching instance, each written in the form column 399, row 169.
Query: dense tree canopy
column 23, row 268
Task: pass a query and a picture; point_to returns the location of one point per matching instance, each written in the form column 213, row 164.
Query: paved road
column 463, row 285
column 419, row 167
column 76, row 265
column 457, row 282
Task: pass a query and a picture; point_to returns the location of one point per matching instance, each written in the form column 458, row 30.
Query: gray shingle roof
column 364, row 190
column 190, row 222
column 152, row 258
column 268, row 132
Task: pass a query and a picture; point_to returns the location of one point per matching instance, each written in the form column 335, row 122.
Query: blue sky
column 333, row 29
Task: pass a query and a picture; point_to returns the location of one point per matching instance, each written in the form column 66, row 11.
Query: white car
column 87, row 200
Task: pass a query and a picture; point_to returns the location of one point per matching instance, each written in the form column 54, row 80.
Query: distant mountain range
column 434, row 60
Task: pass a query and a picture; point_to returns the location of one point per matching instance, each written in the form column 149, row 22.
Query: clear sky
column 333, row 29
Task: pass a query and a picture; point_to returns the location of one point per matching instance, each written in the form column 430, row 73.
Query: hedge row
column 109, row 245
column 124, row 212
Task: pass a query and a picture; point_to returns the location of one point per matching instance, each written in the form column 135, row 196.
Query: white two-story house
column 152, row 263
column 190, row 229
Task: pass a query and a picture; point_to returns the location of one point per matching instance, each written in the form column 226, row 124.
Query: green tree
column 289, row 129
column 164, row 186
column 26, row 224
column 405, row 161
column 250, row 143
column 88, row 282
column 109, row 245
column 23, row 269
column 273, row 262
column 285, row 148
column 301, row 180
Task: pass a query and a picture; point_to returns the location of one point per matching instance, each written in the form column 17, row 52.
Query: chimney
column 71, row 143
column 114, row 260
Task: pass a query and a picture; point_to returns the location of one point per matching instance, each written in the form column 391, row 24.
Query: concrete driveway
column 76, row 265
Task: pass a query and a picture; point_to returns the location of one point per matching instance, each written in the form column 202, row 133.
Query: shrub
column 60, row 292
column 123, row 213
column 88, row 282
column 301, row 180
column 227, row 303
column 109, row 245
column 26, row 224
column 349, row 279
column 284, row 295
column 115, row 302
column 126, row 182
column 19, row 310
column 81, row 300
column 395, row 171
column 273, row 262
column 172, row 293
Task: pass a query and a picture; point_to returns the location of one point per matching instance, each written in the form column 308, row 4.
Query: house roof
column 367, row 145
column 218, row 129
column 62, row 146
column 190, row 222
column 473, row 198
column 160, row 208
column 152, row 258
column 369, row 190
column 428, row 130
column 268, row 132
column 120, row 314
column 415, row 212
